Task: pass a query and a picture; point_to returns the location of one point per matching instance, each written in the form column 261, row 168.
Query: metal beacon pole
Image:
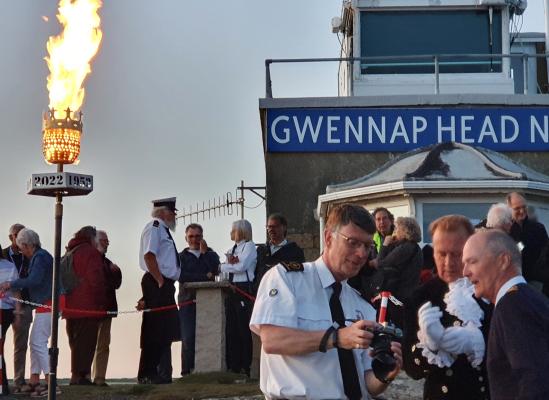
column 61, row 145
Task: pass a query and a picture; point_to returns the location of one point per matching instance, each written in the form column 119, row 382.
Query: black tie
column 174, row 248
column 346, row 359
column 231, row 275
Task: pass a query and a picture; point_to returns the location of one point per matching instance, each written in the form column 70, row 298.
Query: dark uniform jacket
column 458, row 382
column 533, row 236
column 542, row 268
column 518, row 347
column 265, row 260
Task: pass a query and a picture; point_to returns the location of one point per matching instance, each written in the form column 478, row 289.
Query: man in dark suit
column 22, row 326
column 518, row 344
column 444, row 339
column 531, row 234
column 277, row 249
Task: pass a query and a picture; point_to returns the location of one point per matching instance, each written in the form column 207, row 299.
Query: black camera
column 383, row 361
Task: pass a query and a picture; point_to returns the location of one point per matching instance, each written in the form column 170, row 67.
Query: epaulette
column 513, row 289
column 292, row 266
column 156, row 224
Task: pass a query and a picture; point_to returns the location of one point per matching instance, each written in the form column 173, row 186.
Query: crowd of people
column 244, row 264
column 26, row 282
column 472, row 305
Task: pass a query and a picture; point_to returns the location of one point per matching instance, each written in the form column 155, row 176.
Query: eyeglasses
column 355, row 244
column 194, row 236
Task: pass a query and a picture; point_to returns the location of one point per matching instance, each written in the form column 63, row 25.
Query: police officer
column 158, row 258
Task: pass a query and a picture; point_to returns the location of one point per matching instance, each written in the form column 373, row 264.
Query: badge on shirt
column 273, row 292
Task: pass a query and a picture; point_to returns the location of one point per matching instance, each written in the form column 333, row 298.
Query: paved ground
column 220, row 386
column 403, row 388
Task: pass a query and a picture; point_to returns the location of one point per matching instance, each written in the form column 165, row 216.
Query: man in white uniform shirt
column 159, row 260
column 306, row 353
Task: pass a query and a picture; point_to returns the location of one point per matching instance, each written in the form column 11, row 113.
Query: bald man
column 518, row 343
column 531, row 233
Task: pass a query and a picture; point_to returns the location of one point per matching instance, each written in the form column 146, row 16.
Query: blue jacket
column 39, row 280
column 194, row 269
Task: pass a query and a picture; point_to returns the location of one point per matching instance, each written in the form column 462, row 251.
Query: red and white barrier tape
column 106, row 313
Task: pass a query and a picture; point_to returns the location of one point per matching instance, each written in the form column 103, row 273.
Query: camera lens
column 383, row 361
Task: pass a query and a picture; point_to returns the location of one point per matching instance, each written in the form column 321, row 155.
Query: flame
column 70, row 52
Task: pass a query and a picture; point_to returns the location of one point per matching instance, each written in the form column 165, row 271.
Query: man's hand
column 356, row 336
column 210, row 276
column 152, row 267
column 429, row 324
column 203, row 246
column 397, row 354
column 140, row 305
column 375, row 386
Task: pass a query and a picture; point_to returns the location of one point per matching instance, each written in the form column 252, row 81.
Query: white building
column 413, row 74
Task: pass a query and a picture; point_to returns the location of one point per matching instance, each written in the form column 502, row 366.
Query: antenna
column 216, row 206
column 222, row 205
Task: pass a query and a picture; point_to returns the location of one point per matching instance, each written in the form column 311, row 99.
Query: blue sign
column 403, row 129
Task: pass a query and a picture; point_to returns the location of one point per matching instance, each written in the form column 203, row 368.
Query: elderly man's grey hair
column 15, row 228
column 500, row 216
column 157, row 211
column 28, row 237
column 498, row 242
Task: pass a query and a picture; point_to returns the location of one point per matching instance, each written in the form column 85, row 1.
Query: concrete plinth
column 210, row 325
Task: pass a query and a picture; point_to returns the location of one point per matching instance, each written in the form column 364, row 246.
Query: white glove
column 429, row 324
column 466, row 340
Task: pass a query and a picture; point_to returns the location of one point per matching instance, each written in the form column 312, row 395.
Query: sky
column 171, row 109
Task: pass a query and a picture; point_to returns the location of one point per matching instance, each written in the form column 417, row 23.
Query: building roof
column 445, row 162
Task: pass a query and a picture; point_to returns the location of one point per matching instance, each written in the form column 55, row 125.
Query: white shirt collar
column 324, row 273
column 275, row 247
column 508, row 285
column 195, row 252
